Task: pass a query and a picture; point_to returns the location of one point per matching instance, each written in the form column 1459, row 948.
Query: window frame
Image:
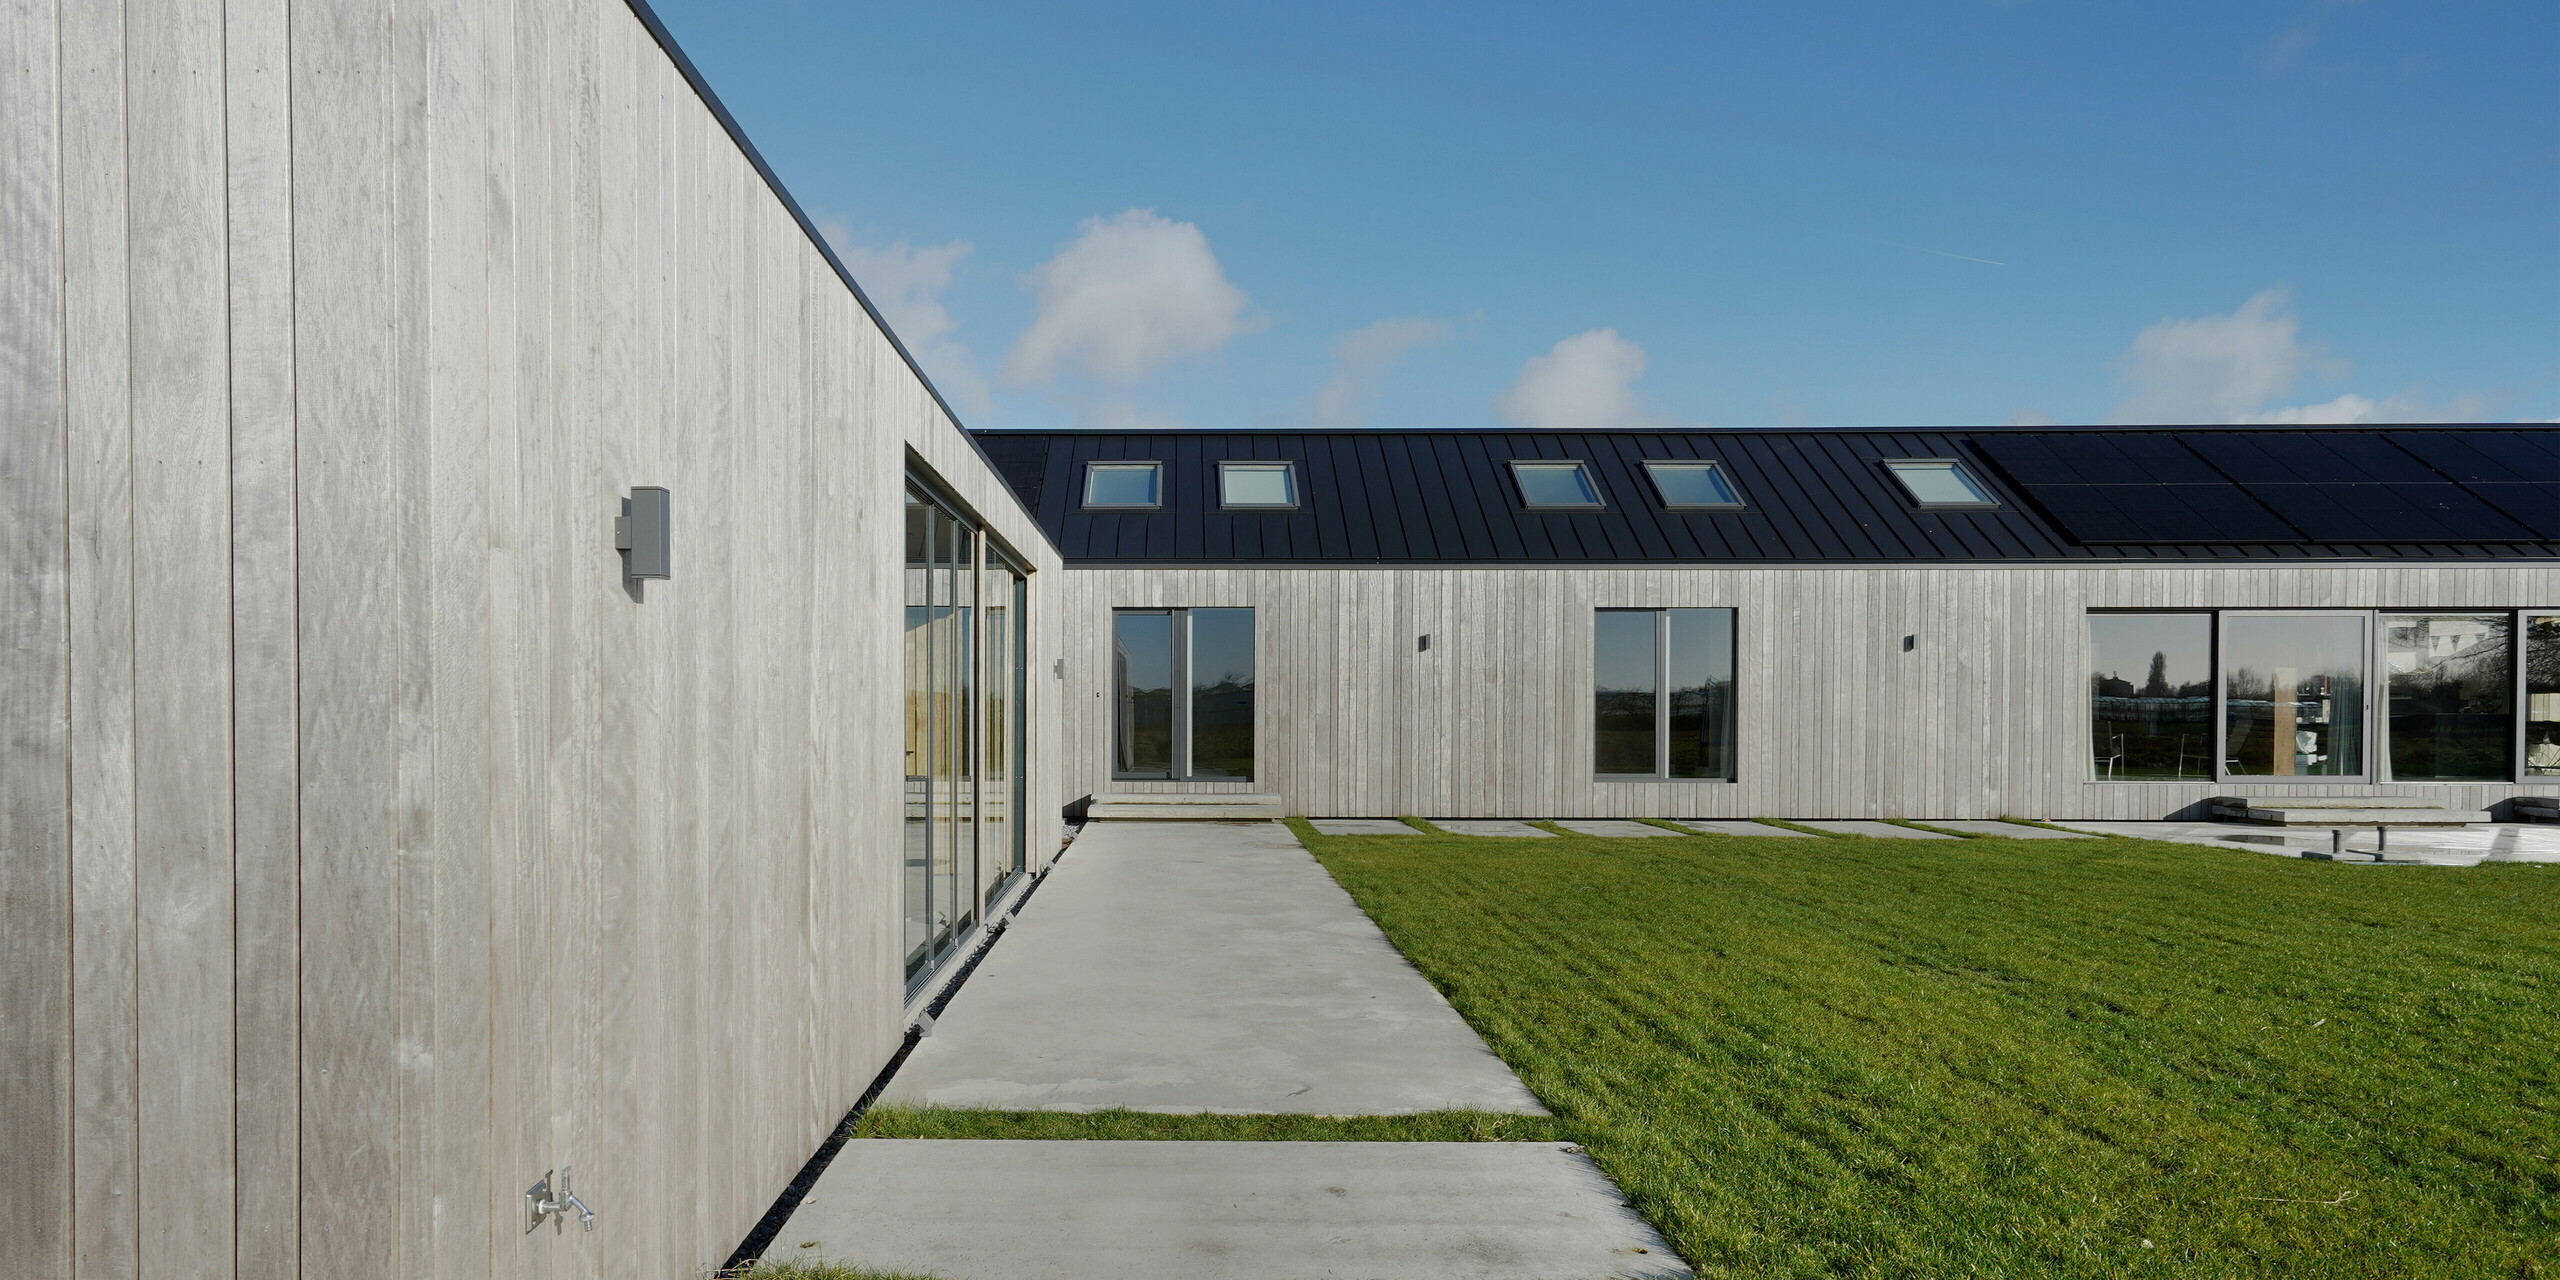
column 1155, row 484
column 1590, row 480
column 2524, row 776
column 1179, row 714
column 1288, row 469
column 1723, row 474
column 1972, row 480
column 1662, row 694
column 2213, row 681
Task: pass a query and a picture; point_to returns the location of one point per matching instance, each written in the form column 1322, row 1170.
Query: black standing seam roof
column 2131, row 494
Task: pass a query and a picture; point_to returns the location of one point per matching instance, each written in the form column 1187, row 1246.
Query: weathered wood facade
column 1986, row 715
column 370, row 847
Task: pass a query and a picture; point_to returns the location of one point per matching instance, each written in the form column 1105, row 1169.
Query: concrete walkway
column 1000, row 1210
column 1187, row 967
column 1201, row 966
column 2443, row 847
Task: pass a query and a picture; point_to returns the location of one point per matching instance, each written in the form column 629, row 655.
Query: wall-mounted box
column 641, row 532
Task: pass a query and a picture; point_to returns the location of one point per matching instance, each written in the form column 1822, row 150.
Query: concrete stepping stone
column 1012, row 1210
column 1361, row 827
column 1184, row 967
column 1740, row 827
column 1613, row 827
column 1995, row 827
column 1491, row 827
column 1861, row 827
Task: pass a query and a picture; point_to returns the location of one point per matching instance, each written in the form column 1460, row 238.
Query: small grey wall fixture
column 641, row 533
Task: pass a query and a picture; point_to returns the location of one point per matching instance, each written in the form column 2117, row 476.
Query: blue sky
column 1596, row 215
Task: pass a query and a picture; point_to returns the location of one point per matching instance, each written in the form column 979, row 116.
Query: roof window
column 1123, row 486
column 1561, row 486
column 1257, row 486
column 1693, row 486
column 1940, row 484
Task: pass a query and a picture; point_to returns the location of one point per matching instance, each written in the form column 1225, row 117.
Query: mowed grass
column 1994, row 1057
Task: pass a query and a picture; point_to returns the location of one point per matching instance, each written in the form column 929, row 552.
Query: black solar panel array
column 1445, row 497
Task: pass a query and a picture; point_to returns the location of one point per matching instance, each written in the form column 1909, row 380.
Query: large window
column 1663, row 694
column 963, row 699
column 2151, row 695
column 2542, row 696
column 2334, row 695
column 1182, row 694
column 2452, row 681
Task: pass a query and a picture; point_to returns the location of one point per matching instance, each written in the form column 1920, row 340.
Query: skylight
column 1125, row 485
column 1564, row 485
column 1939, row 483
column 1269, row 486
column 1693, row 486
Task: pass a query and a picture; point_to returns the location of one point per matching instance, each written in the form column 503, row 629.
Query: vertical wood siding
column 372, row 848
column 1986, row 716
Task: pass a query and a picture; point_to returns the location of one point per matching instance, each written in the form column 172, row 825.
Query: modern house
column 515, row 680
column 2096, row 624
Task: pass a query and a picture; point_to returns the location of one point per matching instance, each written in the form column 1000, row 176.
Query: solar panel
column 2491, row 457
column 2436, row 512
column 2132, row 487
column 2535, row 505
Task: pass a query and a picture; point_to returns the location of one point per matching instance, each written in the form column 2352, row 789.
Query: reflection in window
column 1555, row 484
column 1221, row 677
column 2542, row 697
column 2452, row 690
column 1142, row 680
column 1122, row 484
column 1183, row 693
column 1939, row 482
column 1662, row 683
column 1257, row 484
column 1692, row 485
column 2293, row 693
column 2150, row 696
column 1623, row 670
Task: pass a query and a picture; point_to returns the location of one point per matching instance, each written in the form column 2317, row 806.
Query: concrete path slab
column 1740, row 827
column 1003, row 1210
column 2466, row 847
column 1860, row 827
column 1361, row 827
column 1185, row 967
column 1491, row 827
column 1995, row 827
column 1611, row 827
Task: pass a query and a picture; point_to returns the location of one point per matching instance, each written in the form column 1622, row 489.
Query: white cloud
column 1130, row 294
column 1362, row 359
column 1587, row 380
column 2227, row 369
column 2215, row 368
column 2029, row 416
column 907, row 283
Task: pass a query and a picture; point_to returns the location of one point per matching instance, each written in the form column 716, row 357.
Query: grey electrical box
column 641, row 532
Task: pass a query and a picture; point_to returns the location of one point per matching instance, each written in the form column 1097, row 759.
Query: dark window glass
column 1221, row 674
column 2542, row 697
column 917, row 869
column 2150, row 696
column 1555, row 484
column 1700, row 719
column 1142, row 675
column 2294, row 695
column 1624, row 674
column 2452, row 686
column 1692, row 484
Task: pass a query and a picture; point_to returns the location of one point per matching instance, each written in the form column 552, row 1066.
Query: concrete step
column 2220, row 803
column 1197, row 806
column 2538, row 808
column 2290, row 816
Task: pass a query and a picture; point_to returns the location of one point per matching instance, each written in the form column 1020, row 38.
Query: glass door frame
column 2525, row 618
column 2222, row 775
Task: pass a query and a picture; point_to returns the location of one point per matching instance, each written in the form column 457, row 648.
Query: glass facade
column 2151, row 696
column 1662, row 693
column 963, row 693
column 2452, row 697
column 1182, row 693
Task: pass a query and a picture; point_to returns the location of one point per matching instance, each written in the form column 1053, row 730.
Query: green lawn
column 2016, row 1058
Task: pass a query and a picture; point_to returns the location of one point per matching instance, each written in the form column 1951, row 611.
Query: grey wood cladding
column 373, row 847
column 1984, row 717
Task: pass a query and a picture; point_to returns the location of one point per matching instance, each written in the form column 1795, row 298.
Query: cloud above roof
column 1587, row 380
column 1130, row 294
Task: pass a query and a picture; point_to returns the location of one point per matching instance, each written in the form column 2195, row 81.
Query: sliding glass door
column 2293, row 692
column 2451, row 684
column 964, row 685
column 1182, row 694
column 2542, row 695
column 1662, row 694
